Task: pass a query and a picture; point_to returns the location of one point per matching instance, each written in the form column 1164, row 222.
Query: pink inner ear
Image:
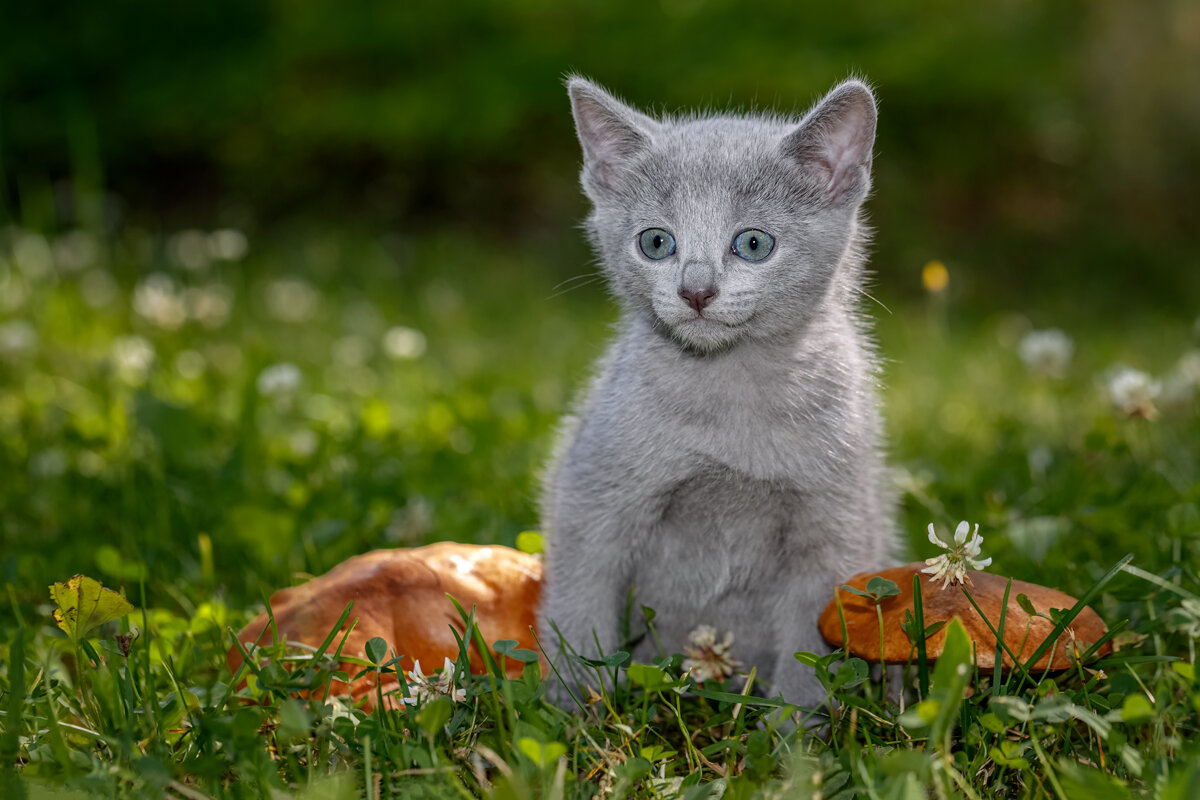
column 845, row 150
column 843, row 163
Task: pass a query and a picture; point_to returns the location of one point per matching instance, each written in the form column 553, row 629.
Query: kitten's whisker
column 578, row 282
column 574, row 278
column 875, row 299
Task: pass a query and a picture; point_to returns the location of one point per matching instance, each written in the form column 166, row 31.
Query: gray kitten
column 725, row 464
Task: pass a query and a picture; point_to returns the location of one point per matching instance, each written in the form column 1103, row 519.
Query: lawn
column 196, row 419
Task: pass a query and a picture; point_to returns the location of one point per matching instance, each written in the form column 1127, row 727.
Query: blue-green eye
column 753, row 245
column 656, row 243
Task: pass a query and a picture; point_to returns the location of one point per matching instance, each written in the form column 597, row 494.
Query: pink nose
column 698, row 300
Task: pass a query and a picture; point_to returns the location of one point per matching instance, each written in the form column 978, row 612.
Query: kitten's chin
column 704, row 335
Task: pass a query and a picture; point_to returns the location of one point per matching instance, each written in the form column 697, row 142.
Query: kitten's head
column 724, row 227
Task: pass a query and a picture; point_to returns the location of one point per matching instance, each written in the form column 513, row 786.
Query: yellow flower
column 935, row 277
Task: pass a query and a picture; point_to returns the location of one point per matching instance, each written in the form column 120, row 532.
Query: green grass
column 195, row 485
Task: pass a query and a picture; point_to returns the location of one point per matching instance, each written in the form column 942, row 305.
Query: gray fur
column 727, row 468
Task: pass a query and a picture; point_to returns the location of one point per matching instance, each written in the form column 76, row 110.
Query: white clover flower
column 90, row 463
column 209, row 305
column 190, row 364
column 402, row 343
column 76, row 251
column 227, row 244
column 225, row 357
column 292, row 300
column 32, row 255
column 363, row 318
column 155, row 300
column 97, row 288
column 132, row 356
column 1184, row 381
column 13, row 291
column 48, row 463
column 352, row 350
column 1046, row 352
column 303, row 443
column 708, row 659
column 963, row 555
column 424, row 687
column 189, row 249
column 278, row 380
column 1133, row 392
column 17, row 338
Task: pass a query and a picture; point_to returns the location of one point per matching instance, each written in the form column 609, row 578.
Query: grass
column 150, row 438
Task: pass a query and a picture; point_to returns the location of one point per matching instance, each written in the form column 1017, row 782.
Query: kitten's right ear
column 612, row 134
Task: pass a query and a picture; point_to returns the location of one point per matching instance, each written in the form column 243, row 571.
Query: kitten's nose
column 698, row 299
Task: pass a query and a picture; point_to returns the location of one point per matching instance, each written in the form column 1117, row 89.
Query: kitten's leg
column 797, row 631
column 588, row 572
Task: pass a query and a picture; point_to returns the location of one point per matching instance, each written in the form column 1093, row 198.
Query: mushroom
column 400, row 596
column 1023, row 633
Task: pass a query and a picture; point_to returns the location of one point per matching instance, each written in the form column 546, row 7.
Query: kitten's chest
column 762, row 427
column 722, row 546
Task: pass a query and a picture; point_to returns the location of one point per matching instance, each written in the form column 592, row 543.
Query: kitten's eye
column 753, row 245
column 656, row 243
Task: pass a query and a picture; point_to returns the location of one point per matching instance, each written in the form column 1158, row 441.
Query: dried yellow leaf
column 84, row 604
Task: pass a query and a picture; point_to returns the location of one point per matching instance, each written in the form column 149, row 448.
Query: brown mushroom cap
column 400, row 595
column 862, row 625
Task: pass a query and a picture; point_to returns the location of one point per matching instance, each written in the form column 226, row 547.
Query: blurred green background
column 283, row 281
column 1049, row 148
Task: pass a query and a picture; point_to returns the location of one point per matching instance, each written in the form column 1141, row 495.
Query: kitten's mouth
column 707, row 322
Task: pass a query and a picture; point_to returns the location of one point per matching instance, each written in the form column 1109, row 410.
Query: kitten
column 725, row 465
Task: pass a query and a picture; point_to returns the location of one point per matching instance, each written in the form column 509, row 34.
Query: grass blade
column 922, row 657
column 1070, row 616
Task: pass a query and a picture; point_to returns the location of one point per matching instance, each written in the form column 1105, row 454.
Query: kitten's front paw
column 800, row 688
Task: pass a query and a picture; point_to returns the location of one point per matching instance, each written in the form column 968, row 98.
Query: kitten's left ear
column 833, row 143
